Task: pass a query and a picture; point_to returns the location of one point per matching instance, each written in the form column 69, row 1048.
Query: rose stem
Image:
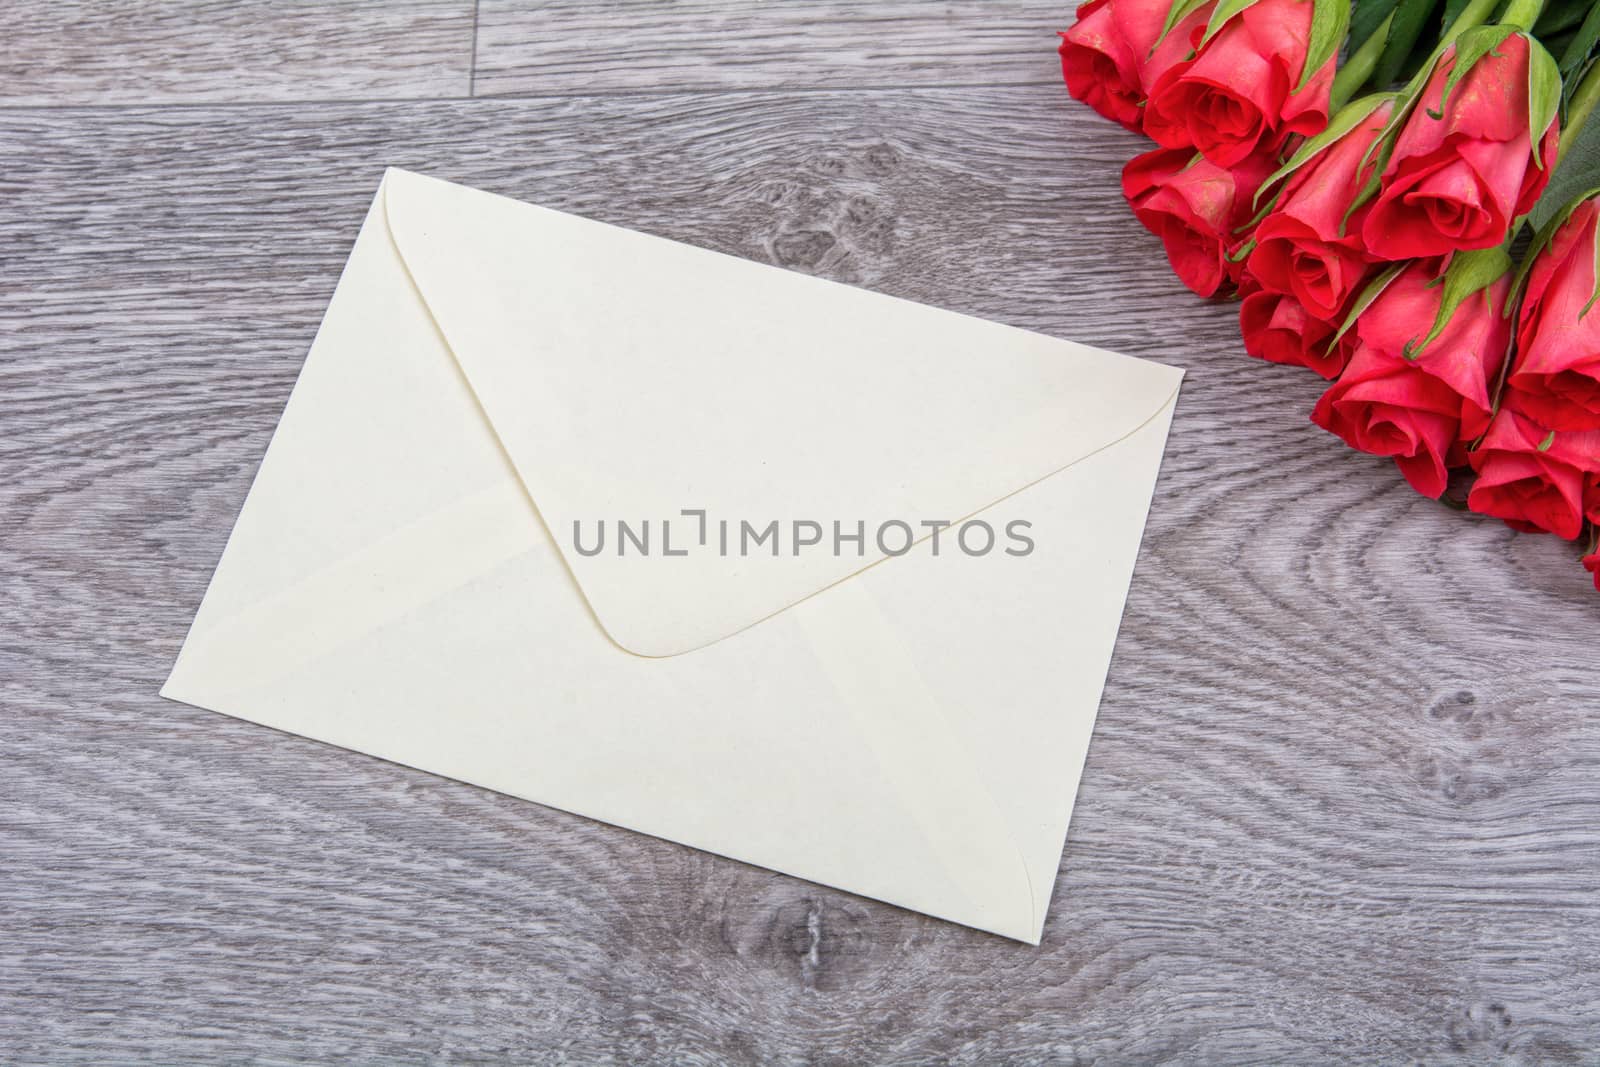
column 1472, row 15
column 1522, row 14
column 1359, row 67
column 1583, row 100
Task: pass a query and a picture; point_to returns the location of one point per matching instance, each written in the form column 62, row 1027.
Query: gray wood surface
column 141, row 51
column 1342, row 804
column 649, row 45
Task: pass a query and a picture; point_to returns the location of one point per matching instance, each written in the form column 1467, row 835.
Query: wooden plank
column 578, row 46
column 132, row 51
column 1342, row 798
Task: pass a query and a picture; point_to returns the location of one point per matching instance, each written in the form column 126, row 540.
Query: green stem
column 1508, row 311
column 1474, row 14
column 1584, row 97
column 1522, row 13
column 1359, row 67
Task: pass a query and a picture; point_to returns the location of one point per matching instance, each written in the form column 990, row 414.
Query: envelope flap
column 726, row 411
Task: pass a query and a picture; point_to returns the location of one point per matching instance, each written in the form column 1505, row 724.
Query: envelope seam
column 466, row 379
column 439, row 328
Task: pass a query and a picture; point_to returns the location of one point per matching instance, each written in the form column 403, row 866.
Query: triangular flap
column 637, row 380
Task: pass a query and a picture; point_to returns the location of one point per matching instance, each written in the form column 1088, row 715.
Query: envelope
column 693, row 546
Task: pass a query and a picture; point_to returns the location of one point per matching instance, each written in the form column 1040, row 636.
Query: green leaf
column 1469, row 272
column 1368, row 295
column 1349, row 117
column 1452, row 10
column 1366, row 17
column 1330, row 21
column 1556, row 45
column 1544, row 446
column 1180, row 10
column 1578, row 172
column 1409, row 19
column 1559, row 16
column 1577, row 52
column 1544, row 95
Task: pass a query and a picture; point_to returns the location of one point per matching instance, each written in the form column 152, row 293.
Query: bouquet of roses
column 1364, row 177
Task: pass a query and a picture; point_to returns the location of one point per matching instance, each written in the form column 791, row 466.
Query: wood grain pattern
column 1342, row 804
column 655, row 45
column 135, row 51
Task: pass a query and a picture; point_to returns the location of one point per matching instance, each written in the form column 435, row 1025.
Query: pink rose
column 1195, row 207
column 1106, row 57
column 1238, row 94
column 1557, row 372
column 1535, row 479
column 1278, row 329
column 1421, row 410
column 1462, row 170
column 1306, row 246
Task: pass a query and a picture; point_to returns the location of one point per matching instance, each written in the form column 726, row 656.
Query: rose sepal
column 1470, row 46
column 1365, row 299
column 1180, row 10
column 1544, row 92
column 1468, row 273
column 1541, row 241
column 1347, row 119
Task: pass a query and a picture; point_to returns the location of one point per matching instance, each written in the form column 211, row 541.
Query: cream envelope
column 411, row 575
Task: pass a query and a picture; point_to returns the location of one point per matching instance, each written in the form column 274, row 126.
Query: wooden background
column 1343, row 803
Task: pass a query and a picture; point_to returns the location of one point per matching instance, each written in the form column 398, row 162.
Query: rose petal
column 1277, row 328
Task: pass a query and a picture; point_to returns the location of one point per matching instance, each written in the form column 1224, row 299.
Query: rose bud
column 1305, row 246
column 1243, row 89
column 1277, row 328
column 1591, row 563
column 1557, row 371
column 1534, row 478
column 1463, row 168
column 1194, row 206
column 1419, row 403
column 1106, row 57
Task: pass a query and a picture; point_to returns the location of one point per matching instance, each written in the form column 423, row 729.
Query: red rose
column 1106, row 57
column 1277, row 329
column 1422, row 410
column 1238, row 92
column 1557, row 372
column 1457, row 180
column 1194, row 206
column 1534, row 479
column 1101, row 67
column 1305, row 246
column 1591, row 562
